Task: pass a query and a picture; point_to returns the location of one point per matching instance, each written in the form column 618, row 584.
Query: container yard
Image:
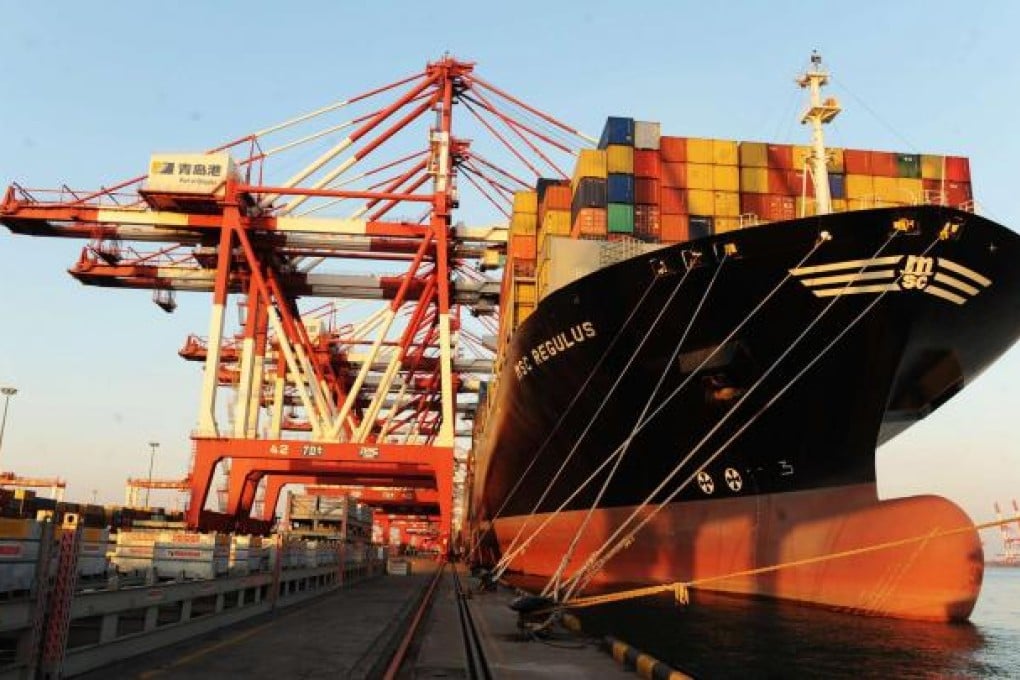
column 480, row 394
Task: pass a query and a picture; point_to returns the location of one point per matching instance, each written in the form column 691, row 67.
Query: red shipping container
column 646, row 163
column 957, row 169
column 673, row 174
column 646, row 190
column 958, row 193
column 673, row 201
column 800, row 180
column 647, row 222
column 675, row 228
column 780, row 208
column 524, row 267
column 781, row 182
column 780, row 156
column 557, row 198
column 769, row 207
column 857, row 162
column 673, row 149
column 883, row 164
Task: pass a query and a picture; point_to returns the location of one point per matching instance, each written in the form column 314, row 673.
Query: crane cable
column 605, row 400
column 553, row 586
column 597, row 559
column 513, row 552
column 565, row 413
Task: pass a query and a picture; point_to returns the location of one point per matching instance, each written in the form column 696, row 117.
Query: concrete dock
column 353, row 632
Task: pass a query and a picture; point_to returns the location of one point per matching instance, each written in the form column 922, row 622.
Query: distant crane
column 56, row 485
column 1010, row 537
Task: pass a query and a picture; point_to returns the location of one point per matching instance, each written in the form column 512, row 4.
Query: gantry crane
column 372, row 401
column 56, row 485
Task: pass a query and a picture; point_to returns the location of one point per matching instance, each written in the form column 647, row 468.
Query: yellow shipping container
column 526, row 202
column 836, row 163
column 726, row 178
column 727, row 204
column 886, row 190
column 806, row 207
column 911, row 190
column 700, row 150
column 620, row 159
column 700, row 176
column 701, row 202
column 754, row 155
column 801, row 154
column 523, row 223
column 860, row 186
column 754, row 180
column 721, row 225
column 522, row 312
column 839, row 205
column 556, row 222
column 525, row 292
column 590, row 163
column 931, row 166
column 725, row 152
column 863, row 203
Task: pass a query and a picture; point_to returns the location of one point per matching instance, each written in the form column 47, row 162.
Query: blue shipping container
column 837, row 186
column 620, row 188
column 617, row 131
column 590, row 193
column 700, row 227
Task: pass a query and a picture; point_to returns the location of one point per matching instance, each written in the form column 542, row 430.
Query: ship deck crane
column 378, row 411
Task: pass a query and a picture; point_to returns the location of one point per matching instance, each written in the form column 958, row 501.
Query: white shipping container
column 19, row 552
column 566, row 260
column 92, row 557
column 190, row 173
column 646, row 135
column 247, row 554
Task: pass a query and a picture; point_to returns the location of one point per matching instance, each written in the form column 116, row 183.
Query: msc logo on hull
column 936, row 276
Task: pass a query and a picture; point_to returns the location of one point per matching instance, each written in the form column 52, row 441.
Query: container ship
column 746, row 322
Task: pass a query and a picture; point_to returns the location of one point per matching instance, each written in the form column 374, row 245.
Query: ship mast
column 817, row 114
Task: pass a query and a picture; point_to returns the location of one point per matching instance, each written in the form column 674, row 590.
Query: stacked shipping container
column 640, row 185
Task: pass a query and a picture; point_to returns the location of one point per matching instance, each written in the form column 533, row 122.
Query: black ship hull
column 861, row 335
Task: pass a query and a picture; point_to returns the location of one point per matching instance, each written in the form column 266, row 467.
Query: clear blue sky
column 90, row 90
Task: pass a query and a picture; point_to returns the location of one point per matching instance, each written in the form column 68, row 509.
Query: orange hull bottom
column 936, row 579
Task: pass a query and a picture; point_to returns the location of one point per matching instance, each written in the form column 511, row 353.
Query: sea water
column 724, row 637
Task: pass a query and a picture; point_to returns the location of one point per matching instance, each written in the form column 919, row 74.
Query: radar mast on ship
column 817, row 114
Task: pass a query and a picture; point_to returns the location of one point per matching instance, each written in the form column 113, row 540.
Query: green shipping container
column 908, row 165
column 621, row 218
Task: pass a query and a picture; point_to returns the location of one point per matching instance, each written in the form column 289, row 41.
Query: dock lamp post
column 7, row 392
column 152, row 455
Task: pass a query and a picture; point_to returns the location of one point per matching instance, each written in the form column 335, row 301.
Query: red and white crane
column 369, row 397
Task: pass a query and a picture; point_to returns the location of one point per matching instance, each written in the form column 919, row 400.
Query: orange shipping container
column 675, row 228
column 673, row 149
column 589, row 222
column 646, row 163
column 523, row 246
column 723, row 224
column 673, row 174
column 857, row 162
column 883, row 164
column 673, row 201
column 557, row 197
